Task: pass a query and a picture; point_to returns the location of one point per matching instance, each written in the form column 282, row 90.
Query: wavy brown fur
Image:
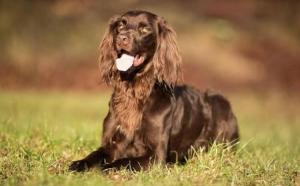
column 151, row 119
column 129, row 96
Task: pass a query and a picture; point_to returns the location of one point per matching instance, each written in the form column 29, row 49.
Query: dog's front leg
column 99, row 156
column 94, row 158
column 107, row 153
column 158, row 156
column 134, row 163
column 111, row 150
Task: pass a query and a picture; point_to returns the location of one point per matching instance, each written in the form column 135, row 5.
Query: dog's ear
column 167, row 60
column 108, row 53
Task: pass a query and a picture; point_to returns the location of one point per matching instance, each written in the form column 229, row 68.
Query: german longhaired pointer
column 152, row 119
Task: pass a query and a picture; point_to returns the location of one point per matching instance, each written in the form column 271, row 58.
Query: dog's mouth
column 138, row 59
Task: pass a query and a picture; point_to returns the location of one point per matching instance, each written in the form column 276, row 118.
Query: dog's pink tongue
column 138, row 60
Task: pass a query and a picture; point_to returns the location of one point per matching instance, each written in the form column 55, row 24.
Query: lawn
column 42, row 132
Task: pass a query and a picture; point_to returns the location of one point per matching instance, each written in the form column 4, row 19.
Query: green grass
column 41, row 133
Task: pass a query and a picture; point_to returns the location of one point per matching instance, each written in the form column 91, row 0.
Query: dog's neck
column 128, row 100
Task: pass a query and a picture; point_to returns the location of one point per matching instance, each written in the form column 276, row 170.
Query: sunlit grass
column 41, row 133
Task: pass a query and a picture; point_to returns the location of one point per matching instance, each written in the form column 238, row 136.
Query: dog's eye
column 121, row 25
column 144, row 30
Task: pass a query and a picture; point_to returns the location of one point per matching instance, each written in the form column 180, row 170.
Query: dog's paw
column 78, row 166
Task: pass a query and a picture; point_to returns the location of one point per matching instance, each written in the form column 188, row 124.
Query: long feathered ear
column 108, row 53
column 167, row 60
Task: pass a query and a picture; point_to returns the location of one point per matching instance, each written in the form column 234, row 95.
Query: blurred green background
column 226, row 44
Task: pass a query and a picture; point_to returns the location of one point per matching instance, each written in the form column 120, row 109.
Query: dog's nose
column 124, row 39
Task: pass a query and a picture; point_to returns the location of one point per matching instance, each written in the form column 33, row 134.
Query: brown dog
column 151, row 119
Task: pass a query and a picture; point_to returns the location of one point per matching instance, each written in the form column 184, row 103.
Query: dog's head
column 149, row 39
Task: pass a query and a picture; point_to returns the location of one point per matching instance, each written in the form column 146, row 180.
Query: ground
column 42, row 132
